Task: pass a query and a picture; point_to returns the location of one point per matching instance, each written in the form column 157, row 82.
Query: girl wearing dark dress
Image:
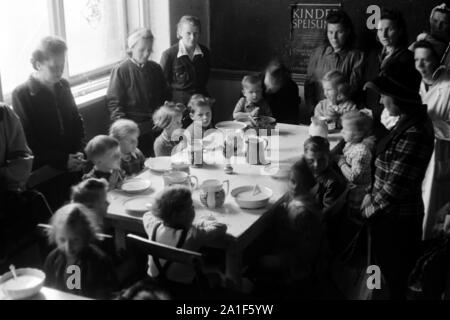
column 137, row 88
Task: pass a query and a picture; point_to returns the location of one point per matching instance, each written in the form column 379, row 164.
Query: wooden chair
column 174, row 255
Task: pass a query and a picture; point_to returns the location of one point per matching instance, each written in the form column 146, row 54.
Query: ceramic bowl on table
column 159, row 164
column 137, row 206
column 135, row 185
column 246, row 198
column 28, row 283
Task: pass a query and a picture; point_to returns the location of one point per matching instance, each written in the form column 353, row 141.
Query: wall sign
column 308, row 27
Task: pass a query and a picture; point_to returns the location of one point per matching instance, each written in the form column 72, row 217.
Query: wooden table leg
column 233, row 269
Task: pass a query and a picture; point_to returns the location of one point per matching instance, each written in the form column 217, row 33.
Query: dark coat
column 53, row 126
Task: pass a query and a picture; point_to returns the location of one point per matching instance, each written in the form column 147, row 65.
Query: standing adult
column 281, row 93
column 53, row 126
column 440, row 28
column 393, row 37
column 186, row 64
column 394, row 207
column 337, row 53
column 435, row 93
column 137, row 88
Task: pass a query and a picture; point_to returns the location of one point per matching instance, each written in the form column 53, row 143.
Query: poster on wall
column 308, row 27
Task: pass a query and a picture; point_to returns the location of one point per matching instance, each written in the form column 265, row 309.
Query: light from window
column 22, row 25
column 95, row 33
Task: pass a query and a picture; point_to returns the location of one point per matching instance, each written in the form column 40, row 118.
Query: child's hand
column 255, row 113
column 366, row 203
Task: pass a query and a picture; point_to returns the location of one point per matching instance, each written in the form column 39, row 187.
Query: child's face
column 252, row 92
column 109, row 161
column 203, row 114
column 350, row 132
column 189, row 35
column 176, row 123
column 317, row 162
column 129, row 143
column 330, row 91
column 142, row 50
column 71, row 241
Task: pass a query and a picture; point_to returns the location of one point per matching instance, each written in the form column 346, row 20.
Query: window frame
column 80, row 83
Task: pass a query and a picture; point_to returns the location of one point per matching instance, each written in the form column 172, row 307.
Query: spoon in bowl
column 13, row 271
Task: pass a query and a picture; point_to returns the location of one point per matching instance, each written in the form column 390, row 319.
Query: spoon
column 13, row 271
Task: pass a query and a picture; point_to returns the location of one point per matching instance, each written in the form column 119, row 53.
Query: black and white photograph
column 226, row 155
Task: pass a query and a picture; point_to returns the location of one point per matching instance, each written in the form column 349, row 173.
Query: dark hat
column 399, row 81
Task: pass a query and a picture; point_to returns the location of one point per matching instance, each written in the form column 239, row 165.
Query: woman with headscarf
column 435, row 93
column 394, row 207
column 137, row 88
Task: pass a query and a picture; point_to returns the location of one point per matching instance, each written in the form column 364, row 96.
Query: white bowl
column 159, row 164
column 28, row 283
column 244, row 198
column 138, row 205
column 135, row 185
column 230, row 125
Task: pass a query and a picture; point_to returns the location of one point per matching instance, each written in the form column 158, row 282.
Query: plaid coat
column 401, row 161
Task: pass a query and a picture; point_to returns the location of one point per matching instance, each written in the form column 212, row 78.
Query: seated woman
column 53, row 126
column 137, row 88
column 281, row 92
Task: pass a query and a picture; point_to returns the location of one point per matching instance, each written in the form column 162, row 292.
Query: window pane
column 95, row 31
column 22, row 25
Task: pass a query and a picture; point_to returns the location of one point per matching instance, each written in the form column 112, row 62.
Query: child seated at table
column 77, row 265
column 168, row 118
column 356, row 159
column 253, row 103
column 330, row 184
column 92, row 193
column 171, row 222
column 337, row 92
column 294, row 259
column 200, row 111
column 104, row 152
column 127, row 133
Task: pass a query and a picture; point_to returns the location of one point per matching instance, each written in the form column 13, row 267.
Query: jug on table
column 256, row 150
column 213, row 194
column 318, row 127
column 174, row 177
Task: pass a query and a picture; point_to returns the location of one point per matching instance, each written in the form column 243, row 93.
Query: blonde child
column 92, row 193
column 104, row 152
column 171, row 222
column 77, row 265
column 169, row 119
column 356, row 158
column 127, row 133
column 337, row 91
column 252, row 104
column 200, row 112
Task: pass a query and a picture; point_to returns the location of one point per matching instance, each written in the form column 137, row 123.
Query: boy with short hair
column 104, row 152
column 252, row 104
column 330, row 184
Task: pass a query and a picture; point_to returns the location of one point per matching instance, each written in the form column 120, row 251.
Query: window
column 19, row 30
column 95, row 32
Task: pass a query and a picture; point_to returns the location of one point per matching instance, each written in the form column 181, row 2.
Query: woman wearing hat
column 435, row 93
column 394, row 207
column 137, row 88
